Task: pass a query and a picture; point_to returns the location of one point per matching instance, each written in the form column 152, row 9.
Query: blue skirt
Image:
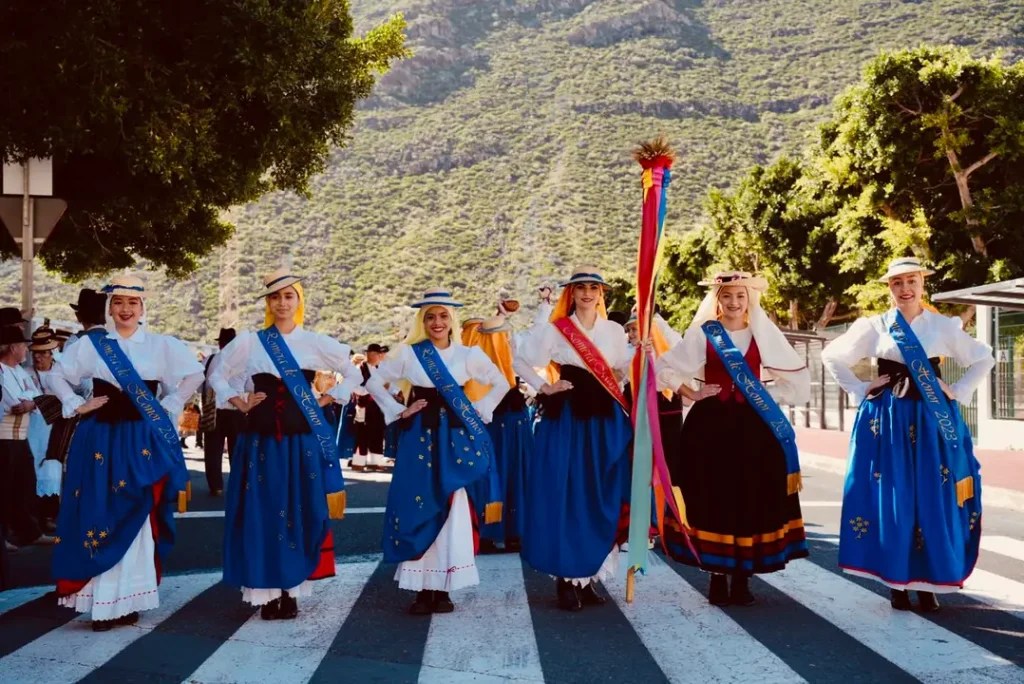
column 347, row 433
column 113, row 470
column 512, row 435
column 901, row 523
column 577, row 482
column 275, row 513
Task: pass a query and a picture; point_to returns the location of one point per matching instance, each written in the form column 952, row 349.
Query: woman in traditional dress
column 443, row 447
column 125, row 468
column 912, row 502
column 49, row 471
column 285, row 482
column 512, row 436
column 578, row 481
column 736, row 464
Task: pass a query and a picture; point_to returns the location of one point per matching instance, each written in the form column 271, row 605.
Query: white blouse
column 543, row 344
column 245, row 357
column 685, row 362
column 940, row 336
column 464, row 364
column 157, row 357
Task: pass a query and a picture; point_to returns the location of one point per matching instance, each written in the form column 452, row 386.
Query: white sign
column 1003, row 355
column 40, row 178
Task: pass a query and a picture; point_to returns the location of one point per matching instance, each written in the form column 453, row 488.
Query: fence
column 829, row 408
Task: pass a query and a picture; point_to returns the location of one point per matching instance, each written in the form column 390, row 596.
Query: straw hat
column 436, row 296
column 494, row 325
column 586, row 274
column 43, row 339
column 471, row 321
column 125, row 286
column 730, row 278
column 278, row 280
column 903, row 266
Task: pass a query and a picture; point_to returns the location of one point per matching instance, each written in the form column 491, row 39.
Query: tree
column 159, row 116
column 932, row 140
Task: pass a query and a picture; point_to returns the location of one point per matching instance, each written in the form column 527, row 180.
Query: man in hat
column 222, row 424
column 11, row 316
column 369, row 422
column 91, row 312
column 17, row 468
column 47, row 416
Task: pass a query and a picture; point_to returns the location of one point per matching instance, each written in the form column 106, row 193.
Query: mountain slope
column 499, row 154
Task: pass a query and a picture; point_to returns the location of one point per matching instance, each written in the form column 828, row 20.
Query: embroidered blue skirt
column 512, row 435
column 108, row 494
column 275, row 512
column 346, row 431
column 437, row 456
column 578, row 479
column 901, row 522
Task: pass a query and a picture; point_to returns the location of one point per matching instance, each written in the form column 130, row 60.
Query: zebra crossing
column 811, row 624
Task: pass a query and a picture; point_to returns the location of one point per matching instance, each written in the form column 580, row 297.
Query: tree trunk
column 961, row 176
column 794, row 314
column 826, row 315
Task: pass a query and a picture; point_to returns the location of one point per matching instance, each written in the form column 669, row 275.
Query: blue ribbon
column 153, row 414
column 749, row 383
column 299, row 388
column 454, row 397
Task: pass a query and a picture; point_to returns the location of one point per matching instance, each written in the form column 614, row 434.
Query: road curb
column 992, row 497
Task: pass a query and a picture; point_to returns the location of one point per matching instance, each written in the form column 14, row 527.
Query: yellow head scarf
column 300, row 312
column 498, row 348
column 470, row 332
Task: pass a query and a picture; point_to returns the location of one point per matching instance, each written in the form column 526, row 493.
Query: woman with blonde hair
column 443, row 447
column 285, row 480
column 912, row 502
column 578, row 481
column 736, row 464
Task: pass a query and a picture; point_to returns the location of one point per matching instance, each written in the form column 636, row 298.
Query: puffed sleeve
column 391, row 370
column 533, row 350
column 336, row 357
column 181, row 375
column 973, row 354
column 229, row 363
column 667, row 331
column 615, row 337
column 847, row 350
column 482, row 369
column 74, row 366
column 682, row 363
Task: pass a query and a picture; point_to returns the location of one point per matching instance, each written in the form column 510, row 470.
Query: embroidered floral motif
column 944, row 472
column 878, row 476
column 421, row 457
column 56, row 540
column 99, row 457
column 147, row 453
column 876, row 426
column 913, row 434
column 860, row 526
column 974, row 520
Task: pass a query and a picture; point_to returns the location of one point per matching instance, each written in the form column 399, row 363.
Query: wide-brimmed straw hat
column 278, row 280
column 494, row 325
column 436, row 296
column 903, row 266
column 472, row 320
column 586, row 274
column 738, row 278
column 125, row 286
column 43, row 339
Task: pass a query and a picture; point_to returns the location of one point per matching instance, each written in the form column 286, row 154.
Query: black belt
column 900, row 381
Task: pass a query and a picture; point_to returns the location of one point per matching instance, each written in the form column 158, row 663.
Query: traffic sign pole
column 28, row 245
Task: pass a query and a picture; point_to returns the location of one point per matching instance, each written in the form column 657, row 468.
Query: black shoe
column 927, row 601
column 102, row 625
column 718, row 591
column 569, row 596
column 289, row 608
column 443, row 603
column 513, row 545
column 216, row 492
column 739, row 593
column 424, row 603
column 271, row 610
column 488, row 546
column 899, row 600
column 129, row 619
column 589, row 595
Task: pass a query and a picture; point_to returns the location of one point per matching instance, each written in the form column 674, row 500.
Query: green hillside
column 499, row 154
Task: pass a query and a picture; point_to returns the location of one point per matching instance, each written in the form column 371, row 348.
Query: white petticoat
column 372, row 460
column 259, row 597
column 125, row 588
column 449, row 563
column 609, row 568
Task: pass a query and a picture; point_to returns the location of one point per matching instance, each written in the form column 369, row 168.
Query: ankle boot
column 424, row 603
column 739, row 592
column 927, row 601
column 568, row 596
column 899, row 600
column 718, row 591
column 289, row 607
column 271, row 610
column 442, row 602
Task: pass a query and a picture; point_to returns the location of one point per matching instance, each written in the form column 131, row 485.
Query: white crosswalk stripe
column 492, row 636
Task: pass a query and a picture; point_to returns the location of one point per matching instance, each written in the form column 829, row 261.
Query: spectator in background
column 221, row 424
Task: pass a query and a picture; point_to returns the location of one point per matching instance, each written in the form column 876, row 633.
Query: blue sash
column 453, row 395
column 300, row 389
column 153, row 414
column 942, row 415
column 748, row 382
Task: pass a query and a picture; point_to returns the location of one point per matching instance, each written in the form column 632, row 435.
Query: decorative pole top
column 654, row 153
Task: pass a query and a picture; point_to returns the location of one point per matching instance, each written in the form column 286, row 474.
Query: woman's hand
column 325, row 400
column 245, row 406
column 950, row 394
column 707, row 391
column 91, row 405
column 880, row 381
column 413, row 408
column 560, row 386
column 545, row 293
